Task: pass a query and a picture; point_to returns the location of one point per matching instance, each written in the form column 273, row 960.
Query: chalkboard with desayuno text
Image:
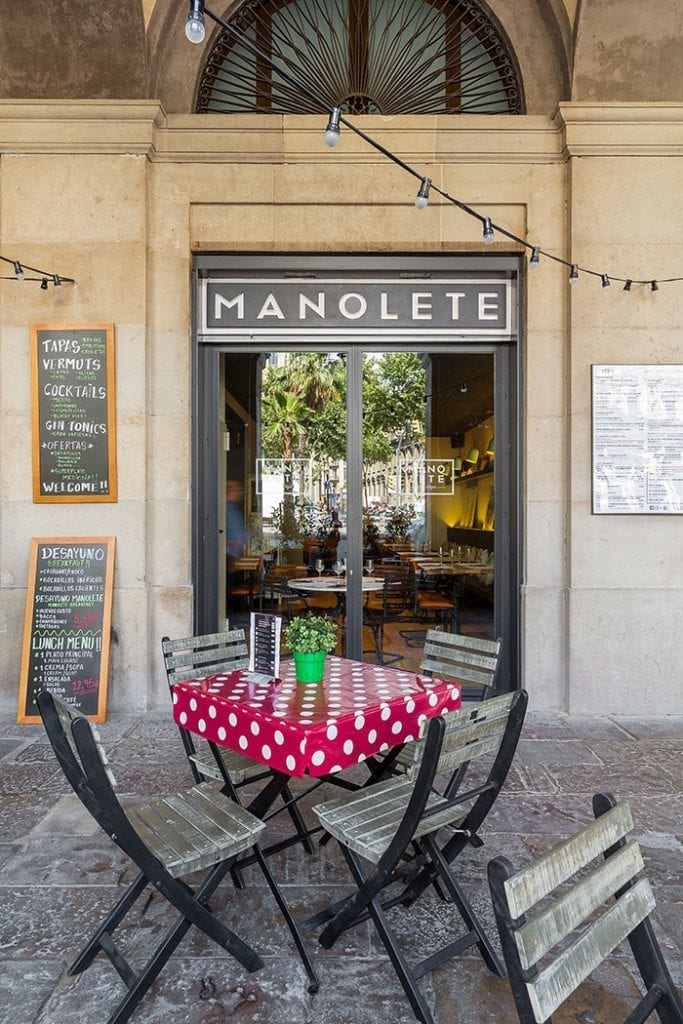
column 73, row 412
column 67, row 624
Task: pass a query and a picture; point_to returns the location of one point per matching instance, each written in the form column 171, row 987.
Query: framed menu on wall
column 637, row 420
column 73, row 412
column 67, row 624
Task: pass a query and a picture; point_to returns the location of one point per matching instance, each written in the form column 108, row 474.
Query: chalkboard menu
column 67, row 624
column 74, row 414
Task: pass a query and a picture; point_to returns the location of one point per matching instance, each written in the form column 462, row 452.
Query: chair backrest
column 469, row 659
column 469, row 733
column 204, row 655
column 78, row 748
column 543, row 976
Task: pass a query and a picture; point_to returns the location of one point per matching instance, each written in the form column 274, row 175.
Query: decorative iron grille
column 366, row 56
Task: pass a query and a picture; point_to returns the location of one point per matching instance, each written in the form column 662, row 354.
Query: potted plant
column 309, row 638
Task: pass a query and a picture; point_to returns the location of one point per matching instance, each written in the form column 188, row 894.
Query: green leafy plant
column 311, row 633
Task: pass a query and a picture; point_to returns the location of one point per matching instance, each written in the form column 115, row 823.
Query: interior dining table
column 358, row 711
column 335, row 585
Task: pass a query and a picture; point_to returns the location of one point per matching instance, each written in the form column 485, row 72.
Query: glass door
column 339, row 470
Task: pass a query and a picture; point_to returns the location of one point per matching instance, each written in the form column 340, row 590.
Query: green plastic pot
column 309, row 668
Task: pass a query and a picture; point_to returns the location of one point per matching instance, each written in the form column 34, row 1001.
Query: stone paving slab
column 59, row 877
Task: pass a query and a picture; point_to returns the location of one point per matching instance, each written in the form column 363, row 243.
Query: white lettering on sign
column 316, row 307
column 344, row 306
column 488, row 310
column 271, row 307
column 455, row 298
column 422, row 305
column 223, row 303
column 384, row 313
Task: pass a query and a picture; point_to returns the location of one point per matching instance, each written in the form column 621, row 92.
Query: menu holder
column 264, row 657
column 67, row 624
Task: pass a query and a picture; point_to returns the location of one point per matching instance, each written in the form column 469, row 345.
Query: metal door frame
column 206, row 354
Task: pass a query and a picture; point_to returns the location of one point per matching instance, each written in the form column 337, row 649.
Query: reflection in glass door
column 321, row 521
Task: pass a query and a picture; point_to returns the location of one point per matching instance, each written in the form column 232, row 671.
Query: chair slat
column 544, row 931
column 201, row 642
column 456, row 670
column 557, row 981
column 191, row 830
column 564, row 859
column 237, row 765
column 366, row 821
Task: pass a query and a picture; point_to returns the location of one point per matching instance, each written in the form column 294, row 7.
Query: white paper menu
column 638, row 439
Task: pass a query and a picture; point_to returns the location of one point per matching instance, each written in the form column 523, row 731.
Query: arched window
column 367, row 56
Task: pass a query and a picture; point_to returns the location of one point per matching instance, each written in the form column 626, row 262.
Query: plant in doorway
column 309, row 638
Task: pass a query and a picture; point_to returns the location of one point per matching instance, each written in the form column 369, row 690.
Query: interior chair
column 411, row 835
column 391, row 604
column 276, row 596
column 551, row 949
column 440, row 600
column 168, row 838
column 207, row 655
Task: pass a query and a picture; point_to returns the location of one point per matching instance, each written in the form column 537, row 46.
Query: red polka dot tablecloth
column 358, row 710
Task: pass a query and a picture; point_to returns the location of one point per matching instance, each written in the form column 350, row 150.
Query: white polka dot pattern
column 357, row 711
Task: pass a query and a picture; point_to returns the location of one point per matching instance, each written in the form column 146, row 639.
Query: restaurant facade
column 214, row 236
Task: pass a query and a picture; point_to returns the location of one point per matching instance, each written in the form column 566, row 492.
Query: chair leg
column 466, row 912
column 108, row 926
column 314, row 983
column 398, row 960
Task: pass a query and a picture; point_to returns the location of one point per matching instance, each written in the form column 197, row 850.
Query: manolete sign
column 378, row 307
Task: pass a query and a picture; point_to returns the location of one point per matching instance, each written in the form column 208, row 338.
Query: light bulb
column 606, row 283
column 535, row 257
column 574, row 275
column 194, row 26
column 43, row 284
column 56, row 280
column 654, row 286
column 627, row 286
column 488, row 231
column 332, row 133
column 422, row 197
column 18, row 270
column 463, row 389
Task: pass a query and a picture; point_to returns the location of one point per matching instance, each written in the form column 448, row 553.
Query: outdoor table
column 358, row 710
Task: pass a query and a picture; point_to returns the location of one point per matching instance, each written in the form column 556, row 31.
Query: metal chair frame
column 539, row 989
column 167, row 838
column 403, row 817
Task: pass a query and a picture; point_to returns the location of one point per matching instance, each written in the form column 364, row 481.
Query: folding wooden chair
column 400, row 819
column 469, row 659
column 543, row 977
column 167, row 838
column 206, row 655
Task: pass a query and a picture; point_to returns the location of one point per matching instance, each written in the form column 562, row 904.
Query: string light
column 332, row 133
column 332, row 137
column 195, row 30
column 422, row 197
column 43, row 276
column 606, row 283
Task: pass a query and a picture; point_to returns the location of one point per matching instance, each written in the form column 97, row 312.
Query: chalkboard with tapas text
column 67, row 624
column 73, row 412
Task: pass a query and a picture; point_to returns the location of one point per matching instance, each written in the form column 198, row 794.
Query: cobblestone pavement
column 58, row 876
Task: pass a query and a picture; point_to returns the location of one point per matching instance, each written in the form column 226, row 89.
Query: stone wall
column 120, row 195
